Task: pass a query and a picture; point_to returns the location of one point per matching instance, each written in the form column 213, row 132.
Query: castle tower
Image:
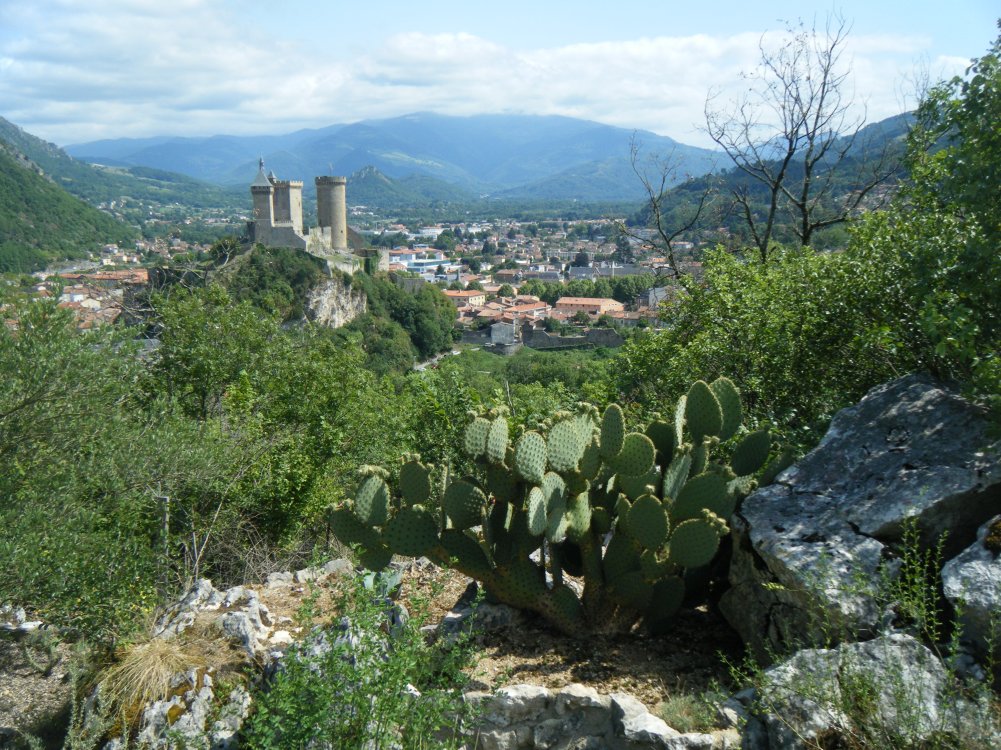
column 288, row 204
column 262, row 191
column 331, row 209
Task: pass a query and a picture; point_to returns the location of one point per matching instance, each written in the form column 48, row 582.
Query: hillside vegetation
column 40, row 222
column 103, row 185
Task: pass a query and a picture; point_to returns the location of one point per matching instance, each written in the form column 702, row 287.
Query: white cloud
column 144, row 67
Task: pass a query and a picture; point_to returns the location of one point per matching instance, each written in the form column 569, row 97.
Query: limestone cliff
column 333, row 303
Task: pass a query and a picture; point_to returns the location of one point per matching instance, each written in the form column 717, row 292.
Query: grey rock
column 808, row 547
column 691, row 741
column 902, row 684
column 337, row 567
column 518, row 703
column 517, row 738
column 279, row 580
column 636, row 724
column 971, row 582
column 584, row 712
column 230, row 719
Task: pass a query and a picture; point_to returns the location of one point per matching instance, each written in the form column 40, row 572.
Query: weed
column 357, row 684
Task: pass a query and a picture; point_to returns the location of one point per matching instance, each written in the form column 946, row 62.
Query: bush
column 353, row 685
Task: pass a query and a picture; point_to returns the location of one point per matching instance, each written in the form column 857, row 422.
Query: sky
column 73, row 71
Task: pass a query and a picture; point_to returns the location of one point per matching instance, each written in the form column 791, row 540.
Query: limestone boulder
column 971, row 582
column 809, row 547
column 890, row 689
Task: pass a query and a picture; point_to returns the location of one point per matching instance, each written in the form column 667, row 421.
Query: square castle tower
column 278, row 214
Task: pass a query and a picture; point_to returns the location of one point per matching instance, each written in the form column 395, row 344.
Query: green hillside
column 40, row 222
column 103, row 184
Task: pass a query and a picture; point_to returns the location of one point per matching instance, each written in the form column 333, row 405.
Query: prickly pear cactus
column 626, row 513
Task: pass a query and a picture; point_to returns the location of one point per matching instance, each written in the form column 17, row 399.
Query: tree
column 656, row 174
column 581, row 318
column 506, row 290
column 623, row 249
column 795, row 136
column 445, row 241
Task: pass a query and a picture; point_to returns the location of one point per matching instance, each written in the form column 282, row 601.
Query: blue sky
column 73, row 71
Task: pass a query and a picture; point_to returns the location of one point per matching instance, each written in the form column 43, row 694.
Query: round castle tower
column 331, row 209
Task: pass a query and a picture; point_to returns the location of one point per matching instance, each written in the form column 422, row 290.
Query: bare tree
column 796, row 134
column 657, row 175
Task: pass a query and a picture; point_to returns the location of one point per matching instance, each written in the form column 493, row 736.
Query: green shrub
column 374, row 686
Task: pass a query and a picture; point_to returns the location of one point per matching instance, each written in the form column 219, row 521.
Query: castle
column 278, row 215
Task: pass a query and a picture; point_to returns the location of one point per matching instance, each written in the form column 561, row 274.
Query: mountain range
column 500, row 156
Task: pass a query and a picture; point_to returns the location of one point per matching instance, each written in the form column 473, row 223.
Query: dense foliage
column 277, row 280
column 40, row 223
column 401, row 326
column 806, row 333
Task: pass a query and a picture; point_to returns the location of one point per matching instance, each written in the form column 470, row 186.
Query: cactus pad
column 563, row 605
column 376, row 558
column 415, row 484
column 530, row 457
column 497, row 441
column 525, row 581
column 632, row 590
column 590, row 461
column 463, row 504
column 648, row 522
column 668, row 593
column 654, row 565
column 502, row 483
column 633, row 487
column 621, row 556
column 694, row 543
column 676, row 475
column 578, row 517
column 350, row 530
column 704, row 491
column 475, row 437
column 751, row 453
column 372, row 501
column 601, row 520
column 535, row 509
column 554, row 490
column 729, row 401
column 636, row 457
column 702, row 412
column 613, row 430
column 411, row 532
column 700, row 459
column 565, row 446
column 467, row 553
column 662, row 435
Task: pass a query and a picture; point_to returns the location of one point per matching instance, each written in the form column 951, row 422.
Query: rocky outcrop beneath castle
column 809, row 549
column 334, row 304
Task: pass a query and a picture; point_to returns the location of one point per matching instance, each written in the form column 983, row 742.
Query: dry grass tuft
column 143, row 672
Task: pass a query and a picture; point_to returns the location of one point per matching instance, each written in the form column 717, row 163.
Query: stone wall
column 594, row 337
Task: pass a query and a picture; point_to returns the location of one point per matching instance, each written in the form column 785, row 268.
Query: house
column 593, row 306
column 472, row 298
